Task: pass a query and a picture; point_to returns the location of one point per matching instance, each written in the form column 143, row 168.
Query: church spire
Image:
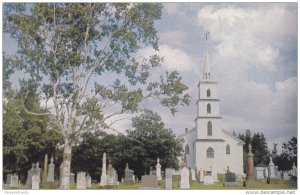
column 206, row 71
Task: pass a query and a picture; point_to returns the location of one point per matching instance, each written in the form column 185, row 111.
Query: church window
column 209, row 128
column 210, row 153
column 208, row 93
column 187, row 149
column 227, row 149
column 208, row 109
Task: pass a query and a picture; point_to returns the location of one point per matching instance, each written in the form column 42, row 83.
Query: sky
column 252, row 53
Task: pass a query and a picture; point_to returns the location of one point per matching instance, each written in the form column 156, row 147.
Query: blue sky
column 253, row 56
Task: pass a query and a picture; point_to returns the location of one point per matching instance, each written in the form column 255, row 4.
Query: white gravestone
column 286, row 176
column 208, row 180
column 35, row 182
column 103, row 175
column 201, row 175
column 80, row 185
column 51, row 170
column 259, row 172
column 14, row 181
column 88, row 181
column 294, row 171
column 193, row 174
column 214, row 173
column 158, row 170
column 185, row 178
column 271, row 169
column 169, row 172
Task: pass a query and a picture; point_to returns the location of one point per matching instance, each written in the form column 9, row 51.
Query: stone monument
column 250, row 163
column 44, row 178
column 272, row 174
column 149, row 182
column 29, row 175
column 158, row 170
column 184, row 178
column 169, row 173
column 88, row 181
column 193, row 175
column 80, row 185
column 112, row 177
column 14, row 181
column 103, row 181
column 128, row 174
column 35, row 182
column 51, row 167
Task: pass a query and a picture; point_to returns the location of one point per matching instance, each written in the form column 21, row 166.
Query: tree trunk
column 65, row 180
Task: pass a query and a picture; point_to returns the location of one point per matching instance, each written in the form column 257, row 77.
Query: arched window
column 208, row 109
column 187, row 149
column 227, row 149
column 209, row 128
column 210, row 153
column 208, row 93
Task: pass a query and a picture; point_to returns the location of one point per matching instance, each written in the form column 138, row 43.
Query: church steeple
column 206, row 70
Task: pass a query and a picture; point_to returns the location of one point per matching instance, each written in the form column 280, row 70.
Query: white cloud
column 174, row 58
column 253, row 34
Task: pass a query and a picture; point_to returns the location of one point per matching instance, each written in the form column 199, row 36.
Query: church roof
column 232, row 136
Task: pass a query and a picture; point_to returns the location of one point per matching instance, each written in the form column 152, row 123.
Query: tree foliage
column 26, row 138
column 288, row 155
column 259, row 147
column 147, row 141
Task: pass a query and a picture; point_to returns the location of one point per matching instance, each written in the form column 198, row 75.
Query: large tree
column 83, row 58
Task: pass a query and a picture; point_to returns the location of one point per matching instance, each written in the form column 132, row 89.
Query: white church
column 207, row 145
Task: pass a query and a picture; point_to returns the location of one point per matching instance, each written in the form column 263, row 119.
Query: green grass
column 259, row 185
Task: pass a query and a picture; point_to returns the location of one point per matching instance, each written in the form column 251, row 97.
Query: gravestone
column 259, row 172
column 208, row 180
column 169, row 174
column 29, row 175
column 201, row 175
column 230, row 178
column 88, row 181
column 112, row 177
column 286, row 176
column 294, row 170
column 193, row 175
column 149, row 182
column 272, row 169
column 8, row 179
column 128, row 174
column 35, row 182
column 152, row 171
column 37, row 171
column 184, row 178
column 80, row 184
column 214, row 173
column 250, row 163
column 103, row 181
column 14, row 181
column 72, row 178
column 158, row 170
column 44, row 178
column 51, row 167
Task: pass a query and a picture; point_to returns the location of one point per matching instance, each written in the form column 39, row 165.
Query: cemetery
column 184, row 178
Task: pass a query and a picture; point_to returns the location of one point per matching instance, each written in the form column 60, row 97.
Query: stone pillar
column 158, row 170
column 250, row 163
column 169, row 173
column 103, row 181
column 272, row 169
column 44, row 179
column 51, row 170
